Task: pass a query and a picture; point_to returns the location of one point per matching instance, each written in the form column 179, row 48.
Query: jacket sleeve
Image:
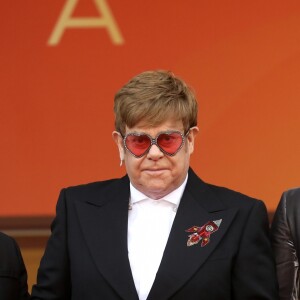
column 53, row 279
column 284, row 250
column 254, row 274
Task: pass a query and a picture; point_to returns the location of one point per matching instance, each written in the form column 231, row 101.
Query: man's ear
column 191, row 138
column 119, row 142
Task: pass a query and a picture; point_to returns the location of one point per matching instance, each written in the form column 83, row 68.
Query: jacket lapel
column 180, row 262
column 103, row 218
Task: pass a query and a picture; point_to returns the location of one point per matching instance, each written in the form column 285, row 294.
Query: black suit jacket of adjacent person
column 285, row 236
column 13, row 275
column 87, row 257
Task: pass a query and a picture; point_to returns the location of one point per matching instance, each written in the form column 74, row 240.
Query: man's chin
column 155, row 189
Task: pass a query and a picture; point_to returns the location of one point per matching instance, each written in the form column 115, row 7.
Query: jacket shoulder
column 232, row 197
column 291, row 196
column 228, row 197
column 289, row 207
column 9, row 252
column 97, row 192
column 7, row 242
column 91, row 186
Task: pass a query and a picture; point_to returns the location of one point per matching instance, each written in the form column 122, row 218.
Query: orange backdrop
column 241, row 57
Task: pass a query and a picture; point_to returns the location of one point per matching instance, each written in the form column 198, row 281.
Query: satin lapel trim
column 104, row 227
column 180, row 262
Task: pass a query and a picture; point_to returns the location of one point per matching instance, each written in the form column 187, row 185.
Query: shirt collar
column 174, row 197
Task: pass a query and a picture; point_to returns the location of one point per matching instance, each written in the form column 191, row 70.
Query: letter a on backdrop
column 106, row 21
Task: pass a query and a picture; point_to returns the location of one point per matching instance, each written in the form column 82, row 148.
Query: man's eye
column 141, row 139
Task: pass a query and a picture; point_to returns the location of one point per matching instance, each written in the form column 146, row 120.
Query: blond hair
column 152, row 97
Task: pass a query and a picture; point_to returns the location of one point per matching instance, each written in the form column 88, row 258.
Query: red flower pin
column 202, row 233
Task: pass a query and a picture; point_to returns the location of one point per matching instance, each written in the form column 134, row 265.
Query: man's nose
column 154, row 153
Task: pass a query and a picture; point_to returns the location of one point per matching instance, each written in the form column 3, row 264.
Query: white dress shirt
column 149, row 226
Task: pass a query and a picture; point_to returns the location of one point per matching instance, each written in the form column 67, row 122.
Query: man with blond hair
column 159, row 232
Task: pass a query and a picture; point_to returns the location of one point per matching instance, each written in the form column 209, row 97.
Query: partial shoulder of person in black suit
column 13, row 275
column 286, row 244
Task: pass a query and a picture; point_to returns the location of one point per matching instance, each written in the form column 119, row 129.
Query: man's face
column 156, row 174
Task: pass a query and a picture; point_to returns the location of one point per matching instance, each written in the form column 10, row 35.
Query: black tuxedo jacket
column 13, row 276
column 285, row 235
column 87, row 258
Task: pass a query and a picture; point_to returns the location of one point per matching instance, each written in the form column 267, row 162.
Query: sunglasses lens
column 137, row 144
column 170, row 142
